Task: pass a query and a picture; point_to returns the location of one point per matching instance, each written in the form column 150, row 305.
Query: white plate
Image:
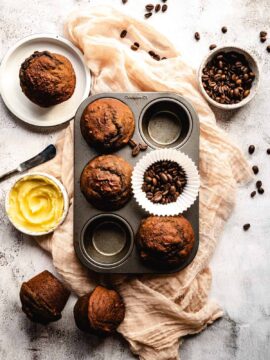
column 11, row 91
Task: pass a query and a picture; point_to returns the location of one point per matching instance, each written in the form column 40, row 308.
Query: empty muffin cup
column 107, row 240
column 165, row 123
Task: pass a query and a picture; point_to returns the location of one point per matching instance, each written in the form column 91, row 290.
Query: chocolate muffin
column 43, row 298
column 106, row 182
column 47, row 79
column 99, row 312
column 165, row 241
column 107, row 124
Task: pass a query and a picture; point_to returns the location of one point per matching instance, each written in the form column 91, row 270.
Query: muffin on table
column 165, row 241
column 47, row 79
column 43, row 298
column 99, row 312
column 106, row 182
column 107, row 124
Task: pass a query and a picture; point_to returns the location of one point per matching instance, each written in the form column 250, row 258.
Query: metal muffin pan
column 105, row 241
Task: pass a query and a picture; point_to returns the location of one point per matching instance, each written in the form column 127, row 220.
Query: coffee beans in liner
column 174, row 181
column 227, row 78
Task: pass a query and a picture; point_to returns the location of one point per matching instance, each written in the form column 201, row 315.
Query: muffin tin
column 105, row 241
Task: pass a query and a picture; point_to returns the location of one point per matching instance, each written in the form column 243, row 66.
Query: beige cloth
column 159, row 309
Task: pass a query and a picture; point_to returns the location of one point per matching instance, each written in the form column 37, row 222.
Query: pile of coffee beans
column 227, row 78
column 164, row 181
column 151, row 8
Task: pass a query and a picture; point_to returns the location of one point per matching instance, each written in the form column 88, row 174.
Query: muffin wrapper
column 185, row 199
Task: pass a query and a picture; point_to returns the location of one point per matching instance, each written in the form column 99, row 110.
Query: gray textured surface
column 241, row 269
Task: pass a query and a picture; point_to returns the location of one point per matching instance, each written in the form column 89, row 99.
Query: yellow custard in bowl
column 37, row 204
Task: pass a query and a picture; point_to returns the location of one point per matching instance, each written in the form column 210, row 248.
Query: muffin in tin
column 43, row 298
column 99, row 312
column 47, row 79
column 106, row 182
column 107, row 124
column 165, row 241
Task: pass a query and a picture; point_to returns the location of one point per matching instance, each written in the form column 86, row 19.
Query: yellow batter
column 36, row 204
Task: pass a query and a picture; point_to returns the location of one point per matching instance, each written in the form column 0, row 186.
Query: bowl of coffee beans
column 229, row 77
column 165, row 182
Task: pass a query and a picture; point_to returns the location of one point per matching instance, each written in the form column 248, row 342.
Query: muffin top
column 165, row 241
column 106, row 182
column 47, row 79
column 107, row 124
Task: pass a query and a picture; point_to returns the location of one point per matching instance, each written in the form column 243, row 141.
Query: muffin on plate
column 107, row 124
column 99, row 312
column 165, row 240
column 47, row 79
column 106, row 182
column 43, row 298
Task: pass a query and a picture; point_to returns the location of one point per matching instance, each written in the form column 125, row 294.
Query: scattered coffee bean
column 164, row 1
column 263, row 39
column 164, row 8
column 148, row 15
column 136, row 150
column 165, row 180
column 136, row 44
column 197, row 36
column 246, row 227
column 258, row 184
column 143, row 147
column 157, row 8
column 251, row 149
column 227, row 78
column 224, row 29
column 255, row 169
column 124, row 1
column 134, row 47
column 253, row 194
column 132, row 143
column 164, row 58
column 263, row 34
column 123, row 33
column 212, row 47
column 268, row 48
column 149, row 7
column 260, row 190
column 268, row 151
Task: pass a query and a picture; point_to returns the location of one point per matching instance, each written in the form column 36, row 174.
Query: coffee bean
column 149, row 7
column 143, row 147
column 263, row 33
column 197, row 36
column 149, row 195
column 134, row 48
column 224, row 29
column 157, row 197
column 253, row 194
column 251, row 149
column 163, row 178
column 164, row 8
column 154, row 181
column 148, row 15
column 258, row 184
column 268, row 48
column 157, row 8
column 255, row 169
column 268, row 151
column 136, row 44
column 148, row 180
column 123, row 33
column 132, row 143
column 124, row 1
column 263, row 39
column 212, row 47
column 164, row 1
column 135, row 150
column 246, row 227
column 260, row 191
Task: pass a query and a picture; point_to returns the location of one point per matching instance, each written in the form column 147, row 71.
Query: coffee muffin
column 43, row 298
column 99, row 312
column 165, row 241
column 47, row 79
column 106, row 182
column 107, row 124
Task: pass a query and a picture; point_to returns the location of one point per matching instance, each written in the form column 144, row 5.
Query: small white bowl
column 253, row 63
column 65, row 197
column 186, row 198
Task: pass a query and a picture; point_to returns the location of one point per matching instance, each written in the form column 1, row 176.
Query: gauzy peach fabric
column 159, row 309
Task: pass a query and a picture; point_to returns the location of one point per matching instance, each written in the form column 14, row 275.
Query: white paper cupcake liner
column 185, row 199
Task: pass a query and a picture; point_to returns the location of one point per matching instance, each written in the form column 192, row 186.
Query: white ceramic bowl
column 253, row 63
column 187, row 197
column 65, row 197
